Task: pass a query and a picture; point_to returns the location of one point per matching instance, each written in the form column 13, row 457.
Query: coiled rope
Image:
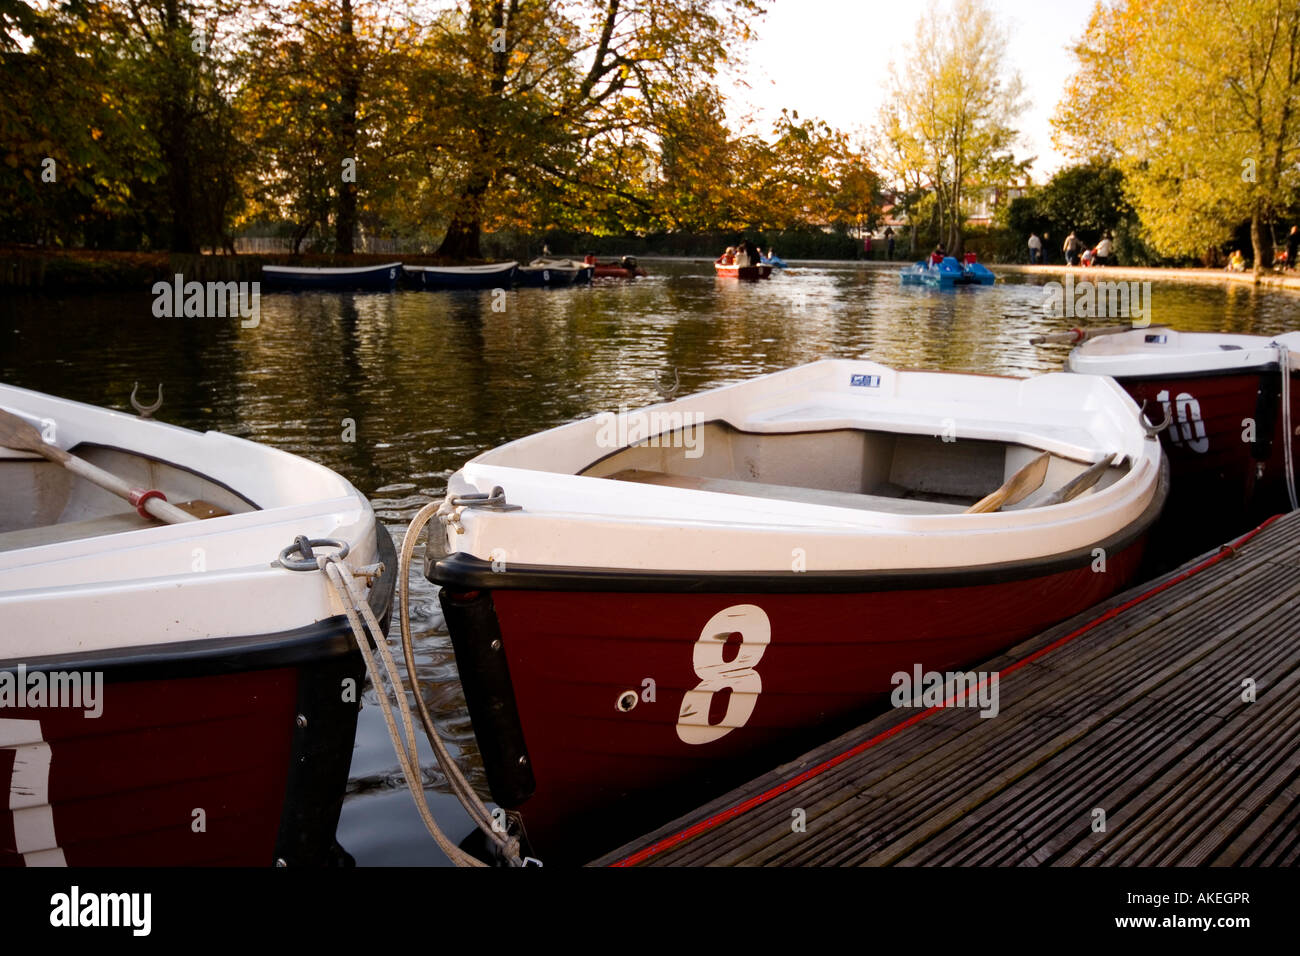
column 1288, row 435
column 393, row 693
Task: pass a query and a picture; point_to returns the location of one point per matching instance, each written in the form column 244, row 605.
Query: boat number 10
column 1185, row 424
column 737, row 675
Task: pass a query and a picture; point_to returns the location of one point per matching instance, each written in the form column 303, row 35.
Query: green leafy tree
column 952, row 103
column 1199, row 105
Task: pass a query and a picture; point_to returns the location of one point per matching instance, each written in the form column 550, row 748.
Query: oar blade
column 22, row 436
column 1016, row 488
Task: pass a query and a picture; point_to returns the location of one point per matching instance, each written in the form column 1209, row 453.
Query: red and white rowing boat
column 1227, row 438
column 639, row 601
column 172, row 694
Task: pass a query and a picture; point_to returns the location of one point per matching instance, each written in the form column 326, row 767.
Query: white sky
column 829, row 59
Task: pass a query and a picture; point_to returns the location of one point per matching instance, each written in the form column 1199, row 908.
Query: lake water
column 428, row 380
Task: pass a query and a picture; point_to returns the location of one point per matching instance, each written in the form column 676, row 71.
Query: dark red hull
column 616, row 272
column 124, row 788
column 199, row 756
column 559, row 748
column 1221, row 482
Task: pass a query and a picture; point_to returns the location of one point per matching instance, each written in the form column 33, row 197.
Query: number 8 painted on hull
column 715, row 674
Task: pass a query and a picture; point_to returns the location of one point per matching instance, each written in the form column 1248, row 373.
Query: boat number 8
column 715, row 674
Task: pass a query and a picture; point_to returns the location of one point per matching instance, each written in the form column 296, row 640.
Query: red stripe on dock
column 758, row 800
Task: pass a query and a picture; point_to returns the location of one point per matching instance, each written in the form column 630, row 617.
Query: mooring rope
column 507, row 844
column 1288, row 436
column 358, row 610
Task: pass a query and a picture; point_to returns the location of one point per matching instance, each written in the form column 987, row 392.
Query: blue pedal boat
column 381, row 278
column 946, row 274
column 494, row 276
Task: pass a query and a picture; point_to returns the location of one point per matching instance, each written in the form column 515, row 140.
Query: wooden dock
column 1125, row 736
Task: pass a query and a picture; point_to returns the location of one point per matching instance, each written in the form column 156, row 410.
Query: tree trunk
column 175, row 132
column 345, row 219
column 466, row 228
column 1261, row 239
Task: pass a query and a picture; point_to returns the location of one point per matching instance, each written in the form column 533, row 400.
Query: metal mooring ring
column 302, row 545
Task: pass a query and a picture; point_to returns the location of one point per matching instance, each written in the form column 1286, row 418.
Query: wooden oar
column 1079, row 483
column 1075, row 336
column 1016, row 488
column 20, row 436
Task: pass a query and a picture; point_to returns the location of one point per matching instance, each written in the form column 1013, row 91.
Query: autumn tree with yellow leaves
column 1199, row 104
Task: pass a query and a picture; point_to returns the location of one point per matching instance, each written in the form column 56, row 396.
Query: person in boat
column 1104, row 251
column 744, row 257
column 1035, row 249
column 938, row 255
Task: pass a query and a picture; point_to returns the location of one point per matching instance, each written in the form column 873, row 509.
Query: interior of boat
column 44, row 503
column 851, row 468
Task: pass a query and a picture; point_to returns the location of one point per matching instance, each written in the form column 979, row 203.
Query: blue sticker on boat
column 1155, row 340
column 865, row 381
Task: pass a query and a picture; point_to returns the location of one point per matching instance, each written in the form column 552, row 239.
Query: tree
column 948, row 119
column 174, row 59
column 541, row 84
column 1199, row 105
column 327, row 106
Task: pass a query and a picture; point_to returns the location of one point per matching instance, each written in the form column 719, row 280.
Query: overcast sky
column 830, row 58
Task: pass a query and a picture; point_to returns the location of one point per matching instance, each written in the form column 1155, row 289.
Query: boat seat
column 812, row 496
column 73, row 530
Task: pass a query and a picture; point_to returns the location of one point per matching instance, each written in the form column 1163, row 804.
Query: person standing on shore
column 1105, row 249
column 1035, row 249
column 1072, row 247
column 1292, row 241
column 889, row 242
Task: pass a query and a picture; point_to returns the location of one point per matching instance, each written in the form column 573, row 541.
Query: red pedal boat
column 625, row 268
column 726, row 271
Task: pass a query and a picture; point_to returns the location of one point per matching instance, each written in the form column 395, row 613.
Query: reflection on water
column 428, row 380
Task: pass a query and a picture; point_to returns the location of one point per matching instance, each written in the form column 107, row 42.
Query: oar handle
column 145, row 500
